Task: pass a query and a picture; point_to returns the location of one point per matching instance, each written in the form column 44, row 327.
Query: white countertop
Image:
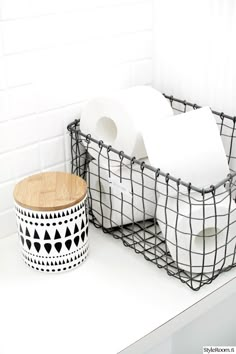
column 109, row 302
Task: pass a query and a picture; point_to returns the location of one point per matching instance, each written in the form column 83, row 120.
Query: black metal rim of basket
column 152, row 244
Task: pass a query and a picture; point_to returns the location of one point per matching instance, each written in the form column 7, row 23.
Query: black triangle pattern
column 28, row 244
column 37, row 246
column 68, row 244
column 21, row 229
column 36, row 234
column 76, row 240
column 57, row 235
column 46, row 236
column 58, row 246
column 22, row 240
column 48, row 247
column 76, row 229
column 83, row 236
column 27, row 232
column 68, row 233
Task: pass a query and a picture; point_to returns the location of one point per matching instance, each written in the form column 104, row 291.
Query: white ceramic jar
column 52, row 221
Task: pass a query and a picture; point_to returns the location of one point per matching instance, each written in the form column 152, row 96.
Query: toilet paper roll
column 185, row 235
column 118, row 119
column 228, row 135
column 116, row 201
column 188, row 146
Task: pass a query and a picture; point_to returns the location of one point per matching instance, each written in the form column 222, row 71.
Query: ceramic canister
column 52, row 221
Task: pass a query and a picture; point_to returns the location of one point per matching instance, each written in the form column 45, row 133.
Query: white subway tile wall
column 52, row 152
column 54, row 55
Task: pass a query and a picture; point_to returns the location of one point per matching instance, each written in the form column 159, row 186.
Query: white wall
column 54, row 54
column 194, row 51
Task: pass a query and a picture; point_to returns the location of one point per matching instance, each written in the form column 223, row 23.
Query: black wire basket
column 131, row 200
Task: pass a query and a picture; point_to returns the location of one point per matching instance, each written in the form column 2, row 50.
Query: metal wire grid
column 129, row 199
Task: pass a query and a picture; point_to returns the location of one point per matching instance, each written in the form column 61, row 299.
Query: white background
column 55, row 54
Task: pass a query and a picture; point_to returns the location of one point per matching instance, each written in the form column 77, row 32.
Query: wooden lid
column 50, row 191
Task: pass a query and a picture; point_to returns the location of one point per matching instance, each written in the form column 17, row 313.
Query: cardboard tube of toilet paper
column 188, row 146
column 117, row 200
column 118, row 119
column 201, row 238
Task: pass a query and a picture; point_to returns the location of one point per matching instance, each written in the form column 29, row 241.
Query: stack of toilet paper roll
column 140, row 122
column 201, row 236
column 189, row 147
column 118, row 120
